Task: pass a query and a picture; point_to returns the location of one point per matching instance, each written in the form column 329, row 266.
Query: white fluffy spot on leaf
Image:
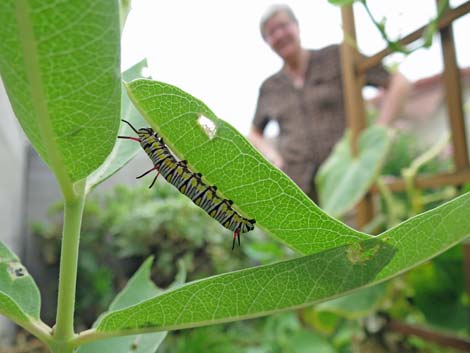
column 207, row 125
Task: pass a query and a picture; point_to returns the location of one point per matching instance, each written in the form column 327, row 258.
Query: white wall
column 12, row 177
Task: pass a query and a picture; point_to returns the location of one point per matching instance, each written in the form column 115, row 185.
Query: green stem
column 91, row 335
column 61, row 348
column 409, row 174
column 38, row 329
column 64, row 330
column 393, row 207
column 427, row 36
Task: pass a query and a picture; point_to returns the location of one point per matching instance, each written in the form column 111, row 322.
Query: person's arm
column 395, row 95
column 256, row 137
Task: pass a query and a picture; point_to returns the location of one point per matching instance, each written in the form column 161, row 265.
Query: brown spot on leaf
column 16, row 270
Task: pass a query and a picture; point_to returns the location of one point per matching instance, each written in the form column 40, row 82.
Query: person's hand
column 270, row 153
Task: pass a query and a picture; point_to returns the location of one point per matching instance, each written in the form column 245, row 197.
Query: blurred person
column 306, row 99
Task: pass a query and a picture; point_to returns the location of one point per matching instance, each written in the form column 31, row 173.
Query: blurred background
column 214, row 51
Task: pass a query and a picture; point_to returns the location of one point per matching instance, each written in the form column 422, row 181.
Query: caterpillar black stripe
column 189, row 183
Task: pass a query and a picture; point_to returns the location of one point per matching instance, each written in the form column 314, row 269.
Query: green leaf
column 19, row 296
column 146, row 343
column 123, row 151
column 240, row 173
column 306, row 341
column 60, row 67
column 356, row 305
column 256, row 291
column 139, row 288
column 432, row 27
column 324, row 322
column 427, row 235
column 301, row 281
column 440, row 281
column 125, row 8
column 343, row 179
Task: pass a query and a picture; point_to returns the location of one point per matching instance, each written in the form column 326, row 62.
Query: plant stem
column 38, row 329
column 64, row 330
column 61, row 348
column 409, row 174
column 393, row 207
column 91, row 335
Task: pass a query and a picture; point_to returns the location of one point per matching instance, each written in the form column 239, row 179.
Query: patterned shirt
column 311, row 118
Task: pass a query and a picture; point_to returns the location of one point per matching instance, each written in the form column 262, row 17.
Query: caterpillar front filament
column 189, row 183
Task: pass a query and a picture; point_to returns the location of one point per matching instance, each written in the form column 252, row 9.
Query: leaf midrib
column 31, row 59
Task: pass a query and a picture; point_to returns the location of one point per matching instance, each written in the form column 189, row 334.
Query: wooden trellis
column 354, row 68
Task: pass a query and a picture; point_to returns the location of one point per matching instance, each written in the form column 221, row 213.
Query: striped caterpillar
column 189, row 183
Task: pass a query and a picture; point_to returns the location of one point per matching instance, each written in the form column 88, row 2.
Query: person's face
column 282, row 35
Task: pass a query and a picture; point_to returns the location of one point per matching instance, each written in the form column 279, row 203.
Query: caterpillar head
column 145, row 132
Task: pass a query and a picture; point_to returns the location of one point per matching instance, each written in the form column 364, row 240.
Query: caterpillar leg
column 236, row 235
column 130, row 125
column 129, row 138
column 148, row 171
column 154, row 180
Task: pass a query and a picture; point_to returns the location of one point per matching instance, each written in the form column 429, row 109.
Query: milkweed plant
column 60, row 64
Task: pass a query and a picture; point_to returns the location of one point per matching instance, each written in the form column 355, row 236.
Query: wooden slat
column 453, row 89
column 429, row 181
column 446, row 20
column 441, row 338
column 353, row 100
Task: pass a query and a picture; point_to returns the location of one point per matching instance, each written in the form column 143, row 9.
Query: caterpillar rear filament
column 189, row 183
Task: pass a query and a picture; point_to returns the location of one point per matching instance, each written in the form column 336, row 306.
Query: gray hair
column 273, row 10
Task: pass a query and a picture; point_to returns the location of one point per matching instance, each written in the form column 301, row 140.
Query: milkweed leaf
column 60, row 66
column 226, row 159
column 139, row 288
column 301, row 281
column 19, row 296
column 343, row 179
